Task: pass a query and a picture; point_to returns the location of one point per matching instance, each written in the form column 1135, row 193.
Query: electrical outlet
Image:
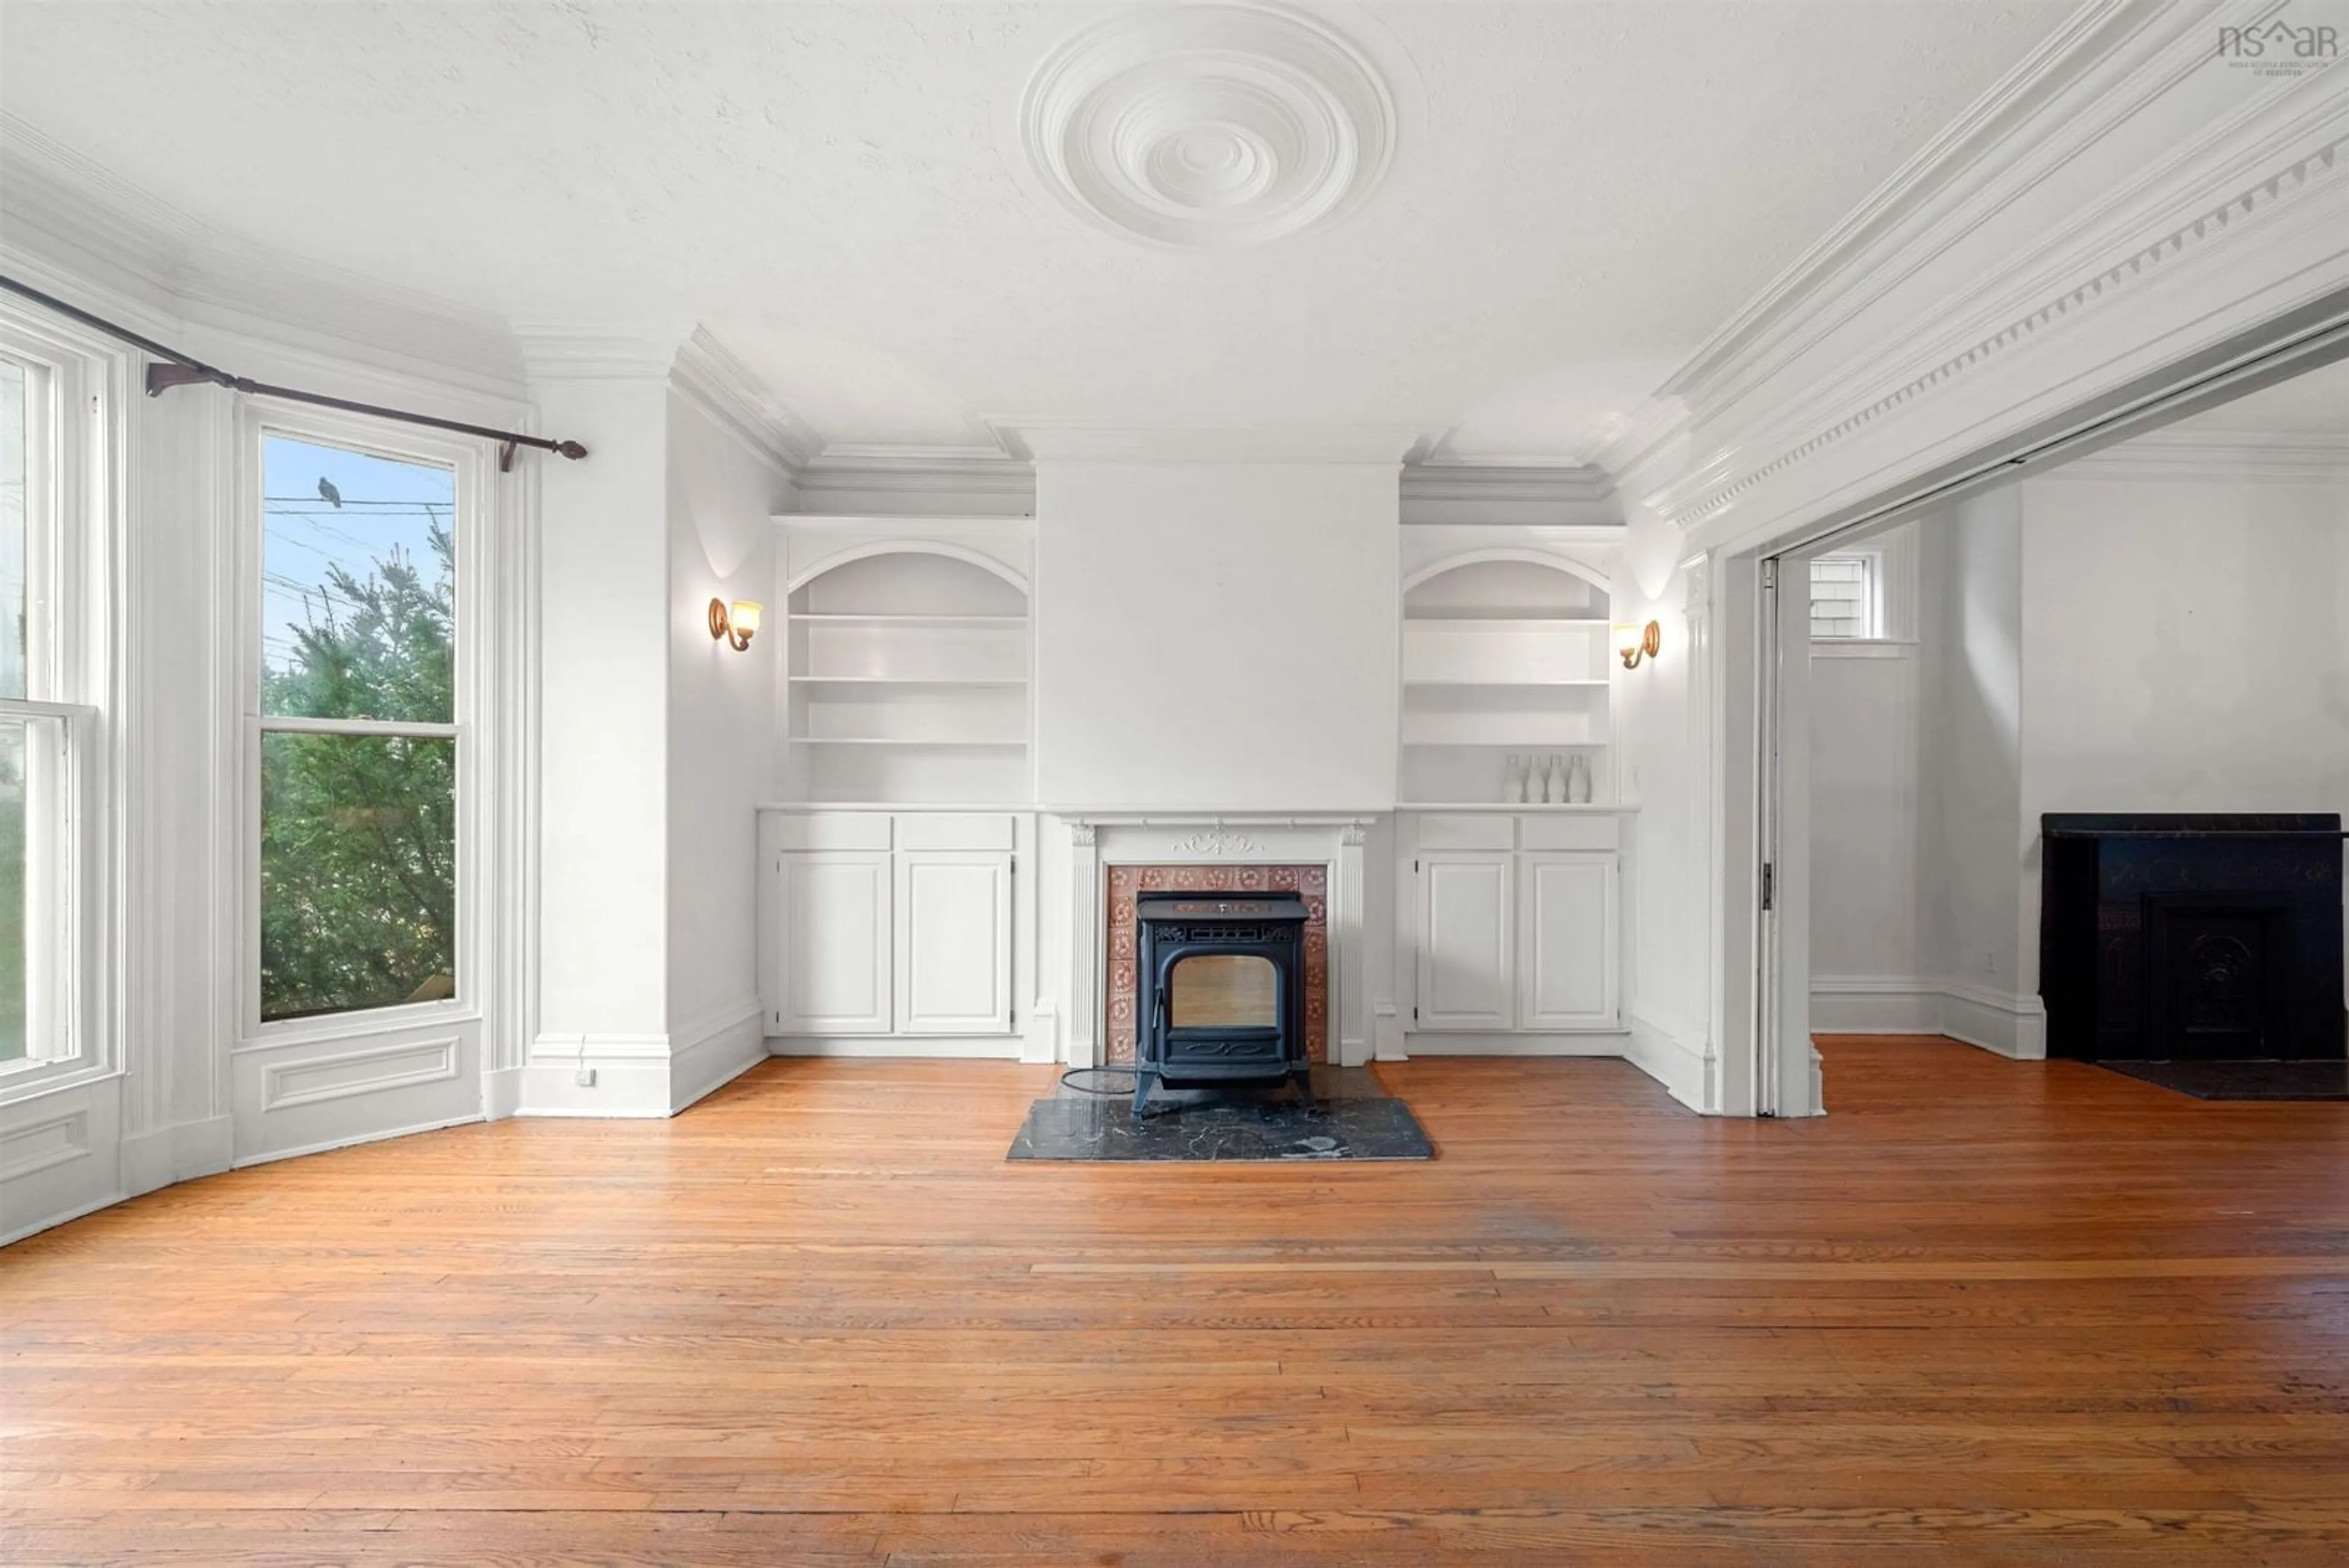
column 1990, row 963
column 584, row 1077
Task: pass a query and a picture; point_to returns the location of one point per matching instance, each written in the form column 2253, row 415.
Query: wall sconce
column 739, row 626
column 1636, row 642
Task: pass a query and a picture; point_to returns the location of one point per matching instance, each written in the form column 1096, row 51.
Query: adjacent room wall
column 722, row 498
column 1224, row 636
column 2186, row 641
column 1917, row 926
column 2164, row 627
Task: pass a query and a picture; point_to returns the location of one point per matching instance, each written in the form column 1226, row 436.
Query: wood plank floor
column 1985, row 1311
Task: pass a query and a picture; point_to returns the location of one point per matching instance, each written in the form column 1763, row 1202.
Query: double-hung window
column 357, row 705
column 53, row 512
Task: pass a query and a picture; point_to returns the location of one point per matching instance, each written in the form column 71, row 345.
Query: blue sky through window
column 386, row 506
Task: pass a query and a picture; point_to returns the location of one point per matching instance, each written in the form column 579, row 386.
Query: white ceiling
column 1579, row 192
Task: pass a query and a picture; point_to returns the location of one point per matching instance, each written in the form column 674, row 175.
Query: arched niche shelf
column 1506, row 669
column 906, row 677
column 869, row 549
column 1517, row 553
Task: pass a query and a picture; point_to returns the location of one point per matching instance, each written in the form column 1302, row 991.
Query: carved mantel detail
column 1216, row 841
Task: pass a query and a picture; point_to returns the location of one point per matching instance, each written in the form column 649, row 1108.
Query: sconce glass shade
column 737, row 626
column 1634, row 642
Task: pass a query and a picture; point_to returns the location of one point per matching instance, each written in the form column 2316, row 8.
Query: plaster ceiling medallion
column 1209, row 127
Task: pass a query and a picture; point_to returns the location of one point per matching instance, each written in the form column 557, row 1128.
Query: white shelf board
column 907, row 743
column 1520, row 745
column 1588, row 808
column 1009, row 681
column 1472, row 618
column 846, row 618
column 1599, row 683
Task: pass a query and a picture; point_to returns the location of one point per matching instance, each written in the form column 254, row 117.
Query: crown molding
column 2217, row 457
column 1460, row 493
column 565, row 351
column 1052, row 441
column 1971, row 240
column 95, row 234
column 706, row 374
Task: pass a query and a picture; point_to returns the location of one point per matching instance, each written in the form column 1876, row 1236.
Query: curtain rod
column 173, row 369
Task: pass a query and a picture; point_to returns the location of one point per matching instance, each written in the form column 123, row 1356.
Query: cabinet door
column 834, row 943
column 1567, row 969
column 1464, row 949
column 954, row 943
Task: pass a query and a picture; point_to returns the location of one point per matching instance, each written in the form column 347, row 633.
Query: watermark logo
column 2279, row 48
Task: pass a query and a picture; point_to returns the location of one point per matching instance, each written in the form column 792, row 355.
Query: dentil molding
column 1210, row 126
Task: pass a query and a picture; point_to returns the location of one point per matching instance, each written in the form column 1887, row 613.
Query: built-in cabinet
column 897, row 903
column 1517, row 921
column 881, row 923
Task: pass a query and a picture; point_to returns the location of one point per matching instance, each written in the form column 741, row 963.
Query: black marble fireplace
column 2167, row 938
column 1220, row 992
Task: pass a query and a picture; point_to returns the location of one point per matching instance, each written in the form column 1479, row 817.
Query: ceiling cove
column 1209, row 127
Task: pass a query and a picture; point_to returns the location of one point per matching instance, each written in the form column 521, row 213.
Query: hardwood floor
column 1985, row 1311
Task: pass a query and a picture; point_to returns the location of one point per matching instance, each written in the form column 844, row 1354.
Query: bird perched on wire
column 328, row 494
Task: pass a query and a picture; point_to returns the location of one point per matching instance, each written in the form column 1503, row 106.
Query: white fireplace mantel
column 1098, row 839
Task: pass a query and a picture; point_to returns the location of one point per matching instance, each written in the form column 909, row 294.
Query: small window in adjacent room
column 1845, row 597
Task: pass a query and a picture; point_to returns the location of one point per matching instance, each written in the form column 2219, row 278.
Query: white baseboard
column 2012, row 1026
column 179, row 1153
column 63, row 1217
column 1040, row 1046
column 982, row 1048
column 501, row 1089
column 1433, row 1044
column 1999, row 1021
column 725, row 1047
column 1687, row 1072
column 327, row 1145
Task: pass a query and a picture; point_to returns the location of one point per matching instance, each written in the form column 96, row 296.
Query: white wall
column 604, row 736
column 1969, row 918
column 722, row 497
column 1663, row 719
column 1217, row 634
column 1864, row 745
column 2186, row 644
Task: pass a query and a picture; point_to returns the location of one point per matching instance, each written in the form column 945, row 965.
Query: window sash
column 72, row 385
column 467, row 461
column 52, row 949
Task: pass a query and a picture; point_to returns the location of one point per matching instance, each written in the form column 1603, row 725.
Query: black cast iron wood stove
column 1221, row 991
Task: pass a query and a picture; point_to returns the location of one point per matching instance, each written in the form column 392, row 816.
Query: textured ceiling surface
column 1577, row 193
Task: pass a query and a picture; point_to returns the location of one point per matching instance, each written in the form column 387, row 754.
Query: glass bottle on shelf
column 1513, row 779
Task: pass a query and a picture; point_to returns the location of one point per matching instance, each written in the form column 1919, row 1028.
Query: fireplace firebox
column 1221, row 988
column 2175, row 938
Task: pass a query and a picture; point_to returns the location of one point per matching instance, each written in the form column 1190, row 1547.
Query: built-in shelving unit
column 907, row 681
column 1502, row 659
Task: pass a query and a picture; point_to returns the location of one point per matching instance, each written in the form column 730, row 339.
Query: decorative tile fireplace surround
column 1309, row 883
column 1112, row 856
